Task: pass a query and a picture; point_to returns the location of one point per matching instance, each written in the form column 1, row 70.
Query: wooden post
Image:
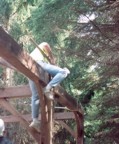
column 50, row 120
column 46, row 117
column 80, row 128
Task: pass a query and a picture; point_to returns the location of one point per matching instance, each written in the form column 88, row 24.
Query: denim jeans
column 58, row 75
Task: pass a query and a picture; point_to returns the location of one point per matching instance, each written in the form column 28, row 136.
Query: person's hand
column 53, row 61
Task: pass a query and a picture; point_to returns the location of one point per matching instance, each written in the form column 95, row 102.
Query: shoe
column 36, row 125
column 67, row 70
column 49, row 94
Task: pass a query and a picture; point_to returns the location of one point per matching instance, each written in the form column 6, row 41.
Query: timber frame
column 13, row 56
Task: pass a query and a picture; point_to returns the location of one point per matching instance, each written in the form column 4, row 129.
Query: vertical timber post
column 50, row 121
column 80, row 128
column 43, row 108
column 46, row 107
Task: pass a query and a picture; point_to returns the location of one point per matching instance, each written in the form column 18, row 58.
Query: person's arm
column 52, row 58
column 49, row 54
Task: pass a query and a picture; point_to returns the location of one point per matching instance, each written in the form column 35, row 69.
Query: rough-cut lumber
column 4, row 63
column 64, row 98
column 18, row 58
column 15, row 92
column 80, row 127
column 57, row 116
column 68, row 128
column 62, row 95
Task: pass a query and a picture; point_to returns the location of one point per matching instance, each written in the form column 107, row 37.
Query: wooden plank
column 4, row 63
column 17, row 57
column 15, row 92
column 12, row 110
column 57, row 116
column 68, row 128
column 64, row 115
column 67, row 100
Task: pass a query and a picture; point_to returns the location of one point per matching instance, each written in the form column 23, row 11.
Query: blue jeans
column 58, row 75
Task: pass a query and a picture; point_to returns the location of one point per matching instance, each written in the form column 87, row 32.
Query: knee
column 65, row 72
column 37, row 102
column 35, row 98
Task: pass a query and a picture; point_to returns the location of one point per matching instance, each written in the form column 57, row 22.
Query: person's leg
column 57, row 79
column 35, row 105
column 58, row 73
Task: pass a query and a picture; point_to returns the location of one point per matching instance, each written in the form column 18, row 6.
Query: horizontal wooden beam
column 66, row 99
column 57, row 116
column 68, row 128
column 24, row 91
column 15, row 92
column 11, row 52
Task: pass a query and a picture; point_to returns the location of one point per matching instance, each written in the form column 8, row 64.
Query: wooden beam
column 4, row 63
column 15, row 92
column 68, row 128
column 57, row 116
column 66, row 99
column 80, row 127
column 12, row 110
column 11, row 52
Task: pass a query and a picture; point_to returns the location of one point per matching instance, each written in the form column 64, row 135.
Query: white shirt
column 36, row 55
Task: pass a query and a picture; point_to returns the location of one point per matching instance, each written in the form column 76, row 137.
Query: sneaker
column 49, row 94
column 36, row 125
column 67, row 70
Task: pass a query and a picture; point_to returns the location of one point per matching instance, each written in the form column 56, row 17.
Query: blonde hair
column 45, row 47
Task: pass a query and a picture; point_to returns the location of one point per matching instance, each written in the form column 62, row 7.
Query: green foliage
column 51, row 18
column 1, row 70
column 20, row 79
column 5, row 11
column 16, row 31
